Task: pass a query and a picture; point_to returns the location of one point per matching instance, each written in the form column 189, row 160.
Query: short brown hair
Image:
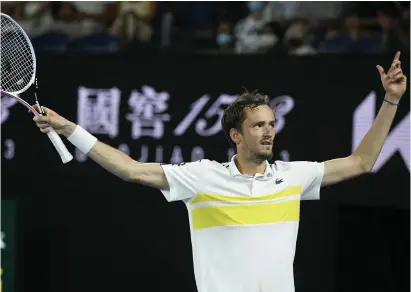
column 234, row 115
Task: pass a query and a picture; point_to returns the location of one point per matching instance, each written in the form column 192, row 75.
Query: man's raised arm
column 365, row 155
column 113, row 160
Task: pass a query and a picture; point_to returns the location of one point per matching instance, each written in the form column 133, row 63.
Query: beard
column 260, row 156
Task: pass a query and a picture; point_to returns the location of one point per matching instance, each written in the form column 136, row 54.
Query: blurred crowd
column 281, row 27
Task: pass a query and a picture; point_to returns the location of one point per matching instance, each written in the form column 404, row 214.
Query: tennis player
column 244, row 214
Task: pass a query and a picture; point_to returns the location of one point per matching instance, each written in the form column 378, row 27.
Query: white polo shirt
column 243, row 228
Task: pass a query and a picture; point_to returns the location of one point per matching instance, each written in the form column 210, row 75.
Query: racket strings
column 13, row 81
column 14, row 60
column 8, row 39
column 17, row 40
column 17, row 58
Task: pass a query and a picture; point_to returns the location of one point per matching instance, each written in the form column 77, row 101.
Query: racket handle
column 60, row 147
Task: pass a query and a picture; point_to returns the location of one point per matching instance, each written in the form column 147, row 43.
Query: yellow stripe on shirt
column 296, row 190
column 213, row 216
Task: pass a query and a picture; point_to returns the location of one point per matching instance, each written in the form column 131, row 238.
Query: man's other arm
column 365, row 155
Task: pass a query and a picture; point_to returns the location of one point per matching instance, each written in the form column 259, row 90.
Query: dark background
column 82, row 229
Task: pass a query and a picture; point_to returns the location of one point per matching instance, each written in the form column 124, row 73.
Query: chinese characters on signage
column 148, row 113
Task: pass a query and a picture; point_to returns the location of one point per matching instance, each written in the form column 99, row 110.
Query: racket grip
column 65, row 155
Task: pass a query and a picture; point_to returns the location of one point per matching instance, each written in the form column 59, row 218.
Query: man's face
column 258, row 133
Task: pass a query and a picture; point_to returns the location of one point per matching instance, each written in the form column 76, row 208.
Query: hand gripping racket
column 18, row 72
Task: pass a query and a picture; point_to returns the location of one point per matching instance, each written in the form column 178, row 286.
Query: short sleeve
column 183, row 179
column 310, row 176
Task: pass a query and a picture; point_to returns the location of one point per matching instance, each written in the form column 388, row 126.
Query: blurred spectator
column 363, row 38
column 367, row 12
column 66, row 19
column 65, row 12
column 252, row 33
column 284, row 12
column 395, row 31
column 96, row 16
column 293, row 27
column 335, row 39
column 78, row 19
column 351, row 37
column 353, row 27
column 194, row 24
column 35, row 17
column 297, row 39
column 134, row 21
column 224, row 37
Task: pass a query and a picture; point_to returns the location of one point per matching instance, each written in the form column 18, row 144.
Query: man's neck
column 248, row 167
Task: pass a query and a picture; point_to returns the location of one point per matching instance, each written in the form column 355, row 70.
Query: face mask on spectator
column 295, row 43
column 223, row 39
column 254, row 6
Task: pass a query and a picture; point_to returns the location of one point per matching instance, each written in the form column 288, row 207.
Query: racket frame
column 65, row 155
column 20, row 100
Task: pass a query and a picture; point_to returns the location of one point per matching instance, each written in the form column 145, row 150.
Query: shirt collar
column 232, row 167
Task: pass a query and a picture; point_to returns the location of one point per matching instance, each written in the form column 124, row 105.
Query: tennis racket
column 18, row 72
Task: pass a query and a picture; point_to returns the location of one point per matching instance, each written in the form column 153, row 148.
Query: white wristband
column 82, row 139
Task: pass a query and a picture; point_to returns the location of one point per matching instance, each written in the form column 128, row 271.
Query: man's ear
column 235, row 136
